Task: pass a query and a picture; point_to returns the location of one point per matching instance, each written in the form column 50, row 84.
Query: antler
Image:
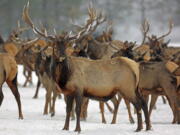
column 16, row 32
column 22, row 42
column 20, row 29
column 170, row 29
column 91, row 24
column 27, row 19
column 145, row 29
column 109, row 28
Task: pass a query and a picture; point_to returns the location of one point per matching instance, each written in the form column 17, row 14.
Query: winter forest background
column 126, row 15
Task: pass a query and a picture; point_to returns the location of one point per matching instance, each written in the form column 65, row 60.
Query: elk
column 32, row 58
column 157, row 45
column 35, row 55
column 78, row 77
column 97, row 50
column 159, row 49
column 25, row 56
column 13, row 47
column 8, row 74
column 40, row 43
column 155, row 79
column 102, row 47
column 51, row 88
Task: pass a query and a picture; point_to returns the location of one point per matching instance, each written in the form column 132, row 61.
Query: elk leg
column 26, row 81
column 84, row 109
column 139, row 117
column 101, row 105
column 24, row 73
column 47, row 101
column 30, row 77
column 69, row 104
column 146, row 114
column 164, row 99
column 50, row 102
column 13, row 86
column 37, row 89
column 1, row 95
column 72, row 114
column 175, row 108
column 109, row 107
column 174, row 114
column 129, row 111
column 79, row 100
column 53, row 104
column 73, row 111
column 152, row 103
column 172, row 98
column 116, row 106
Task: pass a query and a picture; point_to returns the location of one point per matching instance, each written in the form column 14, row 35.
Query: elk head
column 155, row 43
column 60, row 41
column 127, row 51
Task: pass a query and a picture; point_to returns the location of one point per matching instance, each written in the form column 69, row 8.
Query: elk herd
column 82, row 65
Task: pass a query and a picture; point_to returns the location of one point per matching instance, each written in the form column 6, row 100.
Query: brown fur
column 99, row 49
column 154, row 76
column 8, row 73
column 100, row 79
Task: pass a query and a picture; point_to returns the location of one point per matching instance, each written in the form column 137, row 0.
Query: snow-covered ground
column 35, row 123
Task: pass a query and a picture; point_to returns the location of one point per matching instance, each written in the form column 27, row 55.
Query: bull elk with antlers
column 156, row 79
column 101, row 47
column 97, row 79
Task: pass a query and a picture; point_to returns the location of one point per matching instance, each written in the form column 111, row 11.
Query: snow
column 36, row 123
column 174, row 44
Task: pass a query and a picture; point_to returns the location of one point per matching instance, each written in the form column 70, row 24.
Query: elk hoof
column 35, row 97
column 113, row 122
column 173, row 122
column 52, row 114
column 104, row 121
column 77, row 130
column 138, row 129
column 21, row 118
column 131, row 121
column 148, row 128
column 45, row 113
column 65, row 128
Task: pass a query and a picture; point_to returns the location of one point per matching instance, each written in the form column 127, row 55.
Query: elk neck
column 65, row 73
column 60, row 67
